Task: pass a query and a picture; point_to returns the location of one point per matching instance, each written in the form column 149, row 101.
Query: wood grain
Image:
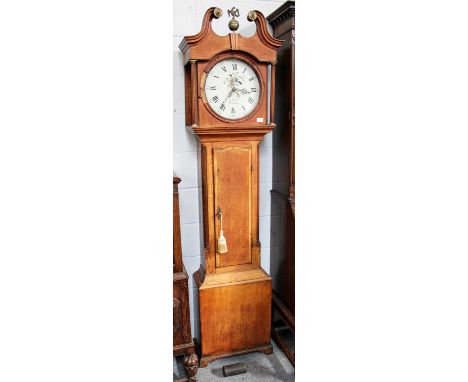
column 182, row 336
column 234, row 292
column 233, row 194
column 236, row 308
column 176, row 242
column 282, row 260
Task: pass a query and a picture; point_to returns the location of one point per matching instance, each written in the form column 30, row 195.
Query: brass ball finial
column 252, row 15
column 233, row 24
column 217, row 13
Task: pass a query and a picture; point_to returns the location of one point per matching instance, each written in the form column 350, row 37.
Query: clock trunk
column 233, row 193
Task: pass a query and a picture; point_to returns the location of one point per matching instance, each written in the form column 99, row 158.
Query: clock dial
column 232, row 88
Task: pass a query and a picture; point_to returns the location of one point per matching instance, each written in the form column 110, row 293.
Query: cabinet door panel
column 233, row 194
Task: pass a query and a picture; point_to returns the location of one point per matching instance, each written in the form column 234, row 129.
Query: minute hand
column 229, row 94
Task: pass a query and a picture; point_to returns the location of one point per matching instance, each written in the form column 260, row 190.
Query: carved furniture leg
column 191, row 365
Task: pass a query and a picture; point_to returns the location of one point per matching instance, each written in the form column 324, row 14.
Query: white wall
column 188, row 15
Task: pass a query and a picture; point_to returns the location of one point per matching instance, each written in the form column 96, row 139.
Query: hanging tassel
column 222, row 245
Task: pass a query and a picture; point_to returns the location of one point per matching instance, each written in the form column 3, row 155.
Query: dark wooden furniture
column 282, row 251
column 182, row 337
column 234, row 291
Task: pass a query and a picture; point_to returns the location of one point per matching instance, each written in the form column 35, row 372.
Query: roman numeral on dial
column 232, row 89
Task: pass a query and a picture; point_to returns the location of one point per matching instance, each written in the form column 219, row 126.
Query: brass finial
column 233, row 24
column 252, row 15
column 217, row 13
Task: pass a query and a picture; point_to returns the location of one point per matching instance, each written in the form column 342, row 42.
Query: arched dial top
column 232, row 89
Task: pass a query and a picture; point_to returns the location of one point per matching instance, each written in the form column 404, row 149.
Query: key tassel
column 222, row 245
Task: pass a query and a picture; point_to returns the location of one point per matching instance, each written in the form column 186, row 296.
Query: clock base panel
column 235, row 313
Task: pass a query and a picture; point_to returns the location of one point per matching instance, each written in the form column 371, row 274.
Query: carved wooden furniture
column 182, row 337
column 228, row 108
column 282, row 251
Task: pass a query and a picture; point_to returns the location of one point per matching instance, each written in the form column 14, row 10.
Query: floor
column 260, row 368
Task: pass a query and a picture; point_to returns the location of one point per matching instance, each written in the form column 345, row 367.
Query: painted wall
column 188, row 15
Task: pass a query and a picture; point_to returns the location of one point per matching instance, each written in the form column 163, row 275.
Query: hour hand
column 243, row 91
column 229, row 94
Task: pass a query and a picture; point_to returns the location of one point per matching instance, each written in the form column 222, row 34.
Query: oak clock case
column 234, row 291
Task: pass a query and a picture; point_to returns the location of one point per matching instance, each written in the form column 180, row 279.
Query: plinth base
column 204, row 361
column 235, row 313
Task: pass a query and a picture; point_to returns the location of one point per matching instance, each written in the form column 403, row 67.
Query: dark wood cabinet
column 182, row 336
column 282, row 252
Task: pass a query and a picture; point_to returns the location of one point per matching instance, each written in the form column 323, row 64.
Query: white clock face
column 232, row 88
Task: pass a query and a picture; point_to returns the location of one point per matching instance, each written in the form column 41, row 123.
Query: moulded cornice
column 263, row 34
column 206, row 44
column 285, row 12
column 247, row 131
column 200, row 36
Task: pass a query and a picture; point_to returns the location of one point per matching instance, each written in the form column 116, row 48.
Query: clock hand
column 243, row 91
column 237, row 80
column 229, row 94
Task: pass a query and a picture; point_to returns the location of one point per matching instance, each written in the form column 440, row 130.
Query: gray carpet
column 260, row 368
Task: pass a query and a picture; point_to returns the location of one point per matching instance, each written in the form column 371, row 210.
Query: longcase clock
column 229, row 105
